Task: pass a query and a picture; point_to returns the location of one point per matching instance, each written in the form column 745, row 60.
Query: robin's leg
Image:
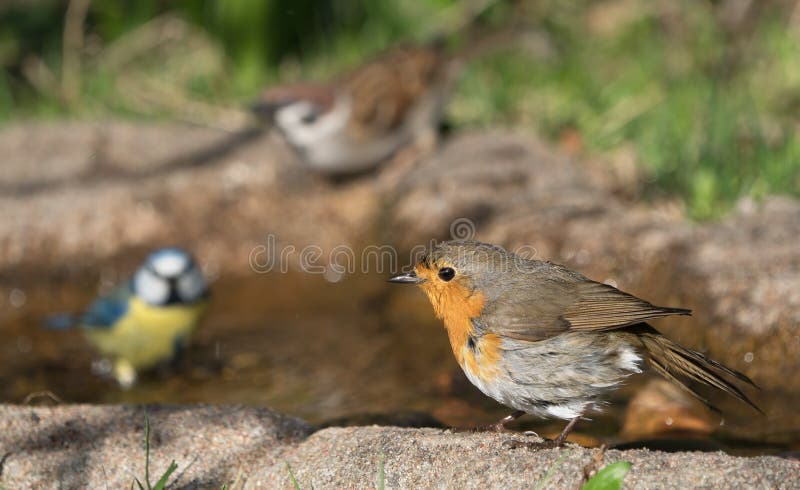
column 557, row 442
column 562, row 438
column 500, row 426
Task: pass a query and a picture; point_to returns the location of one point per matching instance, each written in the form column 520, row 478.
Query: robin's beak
column 407, row 278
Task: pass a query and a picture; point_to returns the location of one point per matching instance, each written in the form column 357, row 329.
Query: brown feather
column 603, row 307
column 318, row 94
column 384, row 90
column 555, row 300
column 671, row 359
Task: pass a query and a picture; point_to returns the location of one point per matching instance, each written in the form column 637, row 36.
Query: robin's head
column 461, row 275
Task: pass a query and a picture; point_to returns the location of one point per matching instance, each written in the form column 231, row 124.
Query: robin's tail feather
column 671, row 360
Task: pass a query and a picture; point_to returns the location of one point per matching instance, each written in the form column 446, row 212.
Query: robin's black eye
column 446, row 274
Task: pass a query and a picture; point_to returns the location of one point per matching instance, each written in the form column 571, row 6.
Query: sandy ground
column 82, row 446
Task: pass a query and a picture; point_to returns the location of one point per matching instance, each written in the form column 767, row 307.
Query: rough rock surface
column 741, row 276
column 87, row 191
column 517, row 191
column 83, row 446
column 103, row 447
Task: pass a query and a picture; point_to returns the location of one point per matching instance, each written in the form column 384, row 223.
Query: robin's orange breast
column 481, row 358
column 457, row 306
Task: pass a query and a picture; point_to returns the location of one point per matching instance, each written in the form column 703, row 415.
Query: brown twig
column 594, row 465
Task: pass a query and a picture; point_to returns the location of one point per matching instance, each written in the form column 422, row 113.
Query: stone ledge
column 84, row 446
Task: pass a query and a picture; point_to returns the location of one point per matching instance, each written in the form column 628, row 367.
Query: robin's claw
column 464, row 429
column 500, row 428
column 536, row 445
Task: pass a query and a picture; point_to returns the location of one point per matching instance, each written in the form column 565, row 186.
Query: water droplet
column 102, row 367
column 748, row 358
column 17, row 298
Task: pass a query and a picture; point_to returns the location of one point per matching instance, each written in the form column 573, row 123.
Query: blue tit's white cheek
column 191, row 285
column 150, row 288
column 169, row 262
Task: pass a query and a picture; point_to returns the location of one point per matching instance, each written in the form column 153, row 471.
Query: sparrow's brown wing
column 551, row 299
column 320, row 96
column 385, row 90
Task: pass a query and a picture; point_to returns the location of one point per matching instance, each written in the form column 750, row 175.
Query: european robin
column 545, row 340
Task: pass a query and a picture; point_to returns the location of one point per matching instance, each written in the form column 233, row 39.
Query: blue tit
column 147, row 320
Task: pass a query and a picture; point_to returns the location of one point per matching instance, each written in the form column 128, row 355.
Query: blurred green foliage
column 704, row 97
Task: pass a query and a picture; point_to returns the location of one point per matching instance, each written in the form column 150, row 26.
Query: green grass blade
column 609, row 478
column 161, row 484
column 291, row 475
column 381, row 473
column 147, row 450
column 141, row 487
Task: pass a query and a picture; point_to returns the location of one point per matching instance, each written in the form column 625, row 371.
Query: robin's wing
column 386, row 89
column 604, row 307
column 106, row 310
column 561, row 301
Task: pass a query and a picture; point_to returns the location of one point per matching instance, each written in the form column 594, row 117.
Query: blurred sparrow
column 357, row 121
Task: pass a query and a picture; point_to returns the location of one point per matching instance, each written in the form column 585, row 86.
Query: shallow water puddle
column 356, row 351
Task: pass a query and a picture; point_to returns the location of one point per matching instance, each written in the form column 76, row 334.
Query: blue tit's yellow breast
column 147, row 335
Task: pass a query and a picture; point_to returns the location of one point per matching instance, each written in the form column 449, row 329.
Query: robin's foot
column 481, row 428
column 461, row 429
column 545, row 444
column 559, row 441
column 498, row 427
